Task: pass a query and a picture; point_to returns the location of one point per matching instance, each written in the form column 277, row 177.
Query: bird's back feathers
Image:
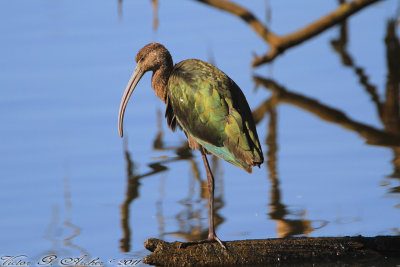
column 213, row 111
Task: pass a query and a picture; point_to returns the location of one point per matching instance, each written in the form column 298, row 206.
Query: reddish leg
column 212, row 237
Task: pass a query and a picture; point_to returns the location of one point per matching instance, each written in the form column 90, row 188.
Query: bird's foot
column 209, row 240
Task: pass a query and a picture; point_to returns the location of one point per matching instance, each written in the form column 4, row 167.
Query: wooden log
column 302, row 251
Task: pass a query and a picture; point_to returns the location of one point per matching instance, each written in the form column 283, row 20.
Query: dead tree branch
column 301, row 251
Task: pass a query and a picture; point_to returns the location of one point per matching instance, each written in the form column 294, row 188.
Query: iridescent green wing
column 211, row 108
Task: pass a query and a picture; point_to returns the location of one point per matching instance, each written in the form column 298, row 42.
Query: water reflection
column 155, row 14
column 390, row 115
column 155, row 6
column 372, row 135
column 120, row 9
column 339, row 45
column 54, row 231
column 277, row 210
column 278, row 44
column 190, row 218
column 75, row 229
column 388, row 110
column 132, row 193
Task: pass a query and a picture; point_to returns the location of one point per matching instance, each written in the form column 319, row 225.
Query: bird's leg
column 211, row 184
column 211, row 230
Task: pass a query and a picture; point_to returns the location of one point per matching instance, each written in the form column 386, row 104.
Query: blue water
column 63, row 171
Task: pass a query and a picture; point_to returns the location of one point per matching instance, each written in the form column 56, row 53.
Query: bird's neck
column 159, row 82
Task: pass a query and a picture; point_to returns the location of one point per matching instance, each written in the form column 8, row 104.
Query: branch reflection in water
column 155, row 6
column 278, row 211
column 54, row 231
column 388, row 111
column 189, row 220
column 280, row 43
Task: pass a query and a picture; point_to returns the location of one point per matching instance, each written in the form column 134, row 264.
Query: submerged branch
column 301, row 251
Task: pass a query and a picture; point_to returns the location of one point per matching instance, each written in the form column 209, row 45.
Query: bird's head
column 151, row 57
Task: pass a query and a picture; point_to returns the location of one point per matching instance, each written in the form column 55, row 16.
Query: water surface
column 72, row 187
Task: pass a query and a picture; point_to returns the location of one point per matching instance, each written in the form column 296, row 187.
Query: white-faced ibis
column 207, row 105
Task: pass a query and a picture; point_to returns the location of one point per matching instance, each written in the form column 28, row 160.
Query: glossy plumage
column 207, row 105
column 212, row 110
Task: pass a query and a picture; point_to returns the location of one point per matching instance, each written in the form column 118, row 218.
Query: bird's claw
column 209, row 240
column 219, row 241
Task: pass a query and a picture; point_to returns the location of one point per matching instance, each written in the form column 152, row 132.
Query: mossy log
column 301, row 251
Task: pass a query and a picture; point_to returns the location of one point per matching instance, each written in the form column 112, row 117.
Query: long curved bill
column 135, row 78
